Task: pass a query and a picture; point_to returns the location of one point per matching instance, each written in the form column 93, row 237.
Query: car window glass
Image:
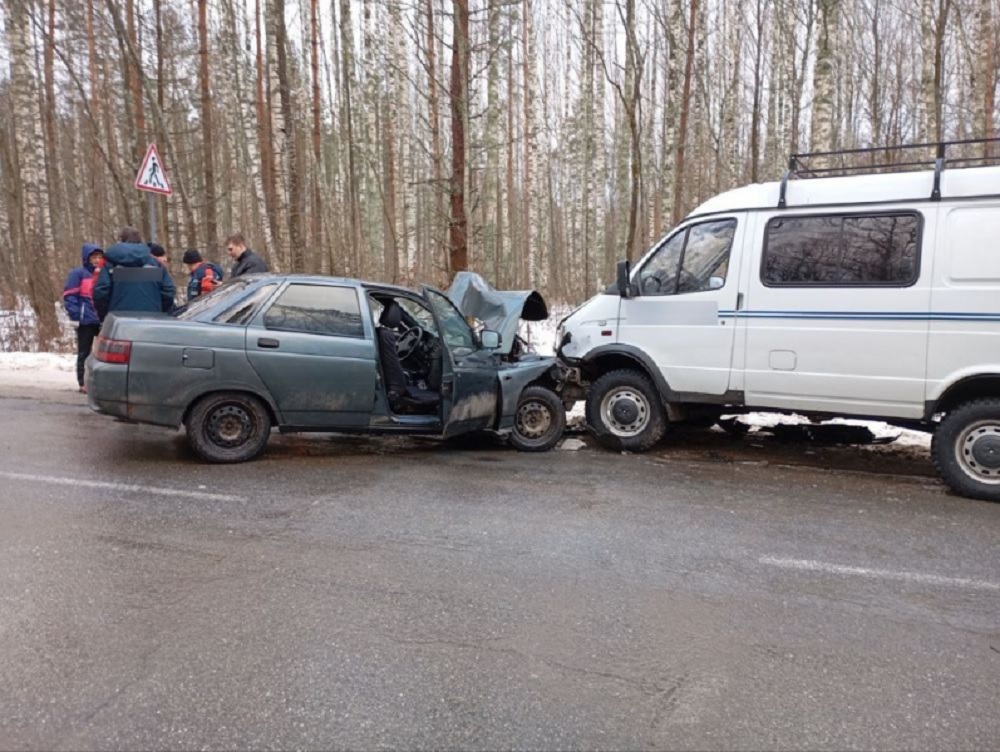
column 317, row 309
column 220, row 296
column 659, row 274
column 706, row 255
column 420, row 313
column 879, row 249
column 456, row 333
column 241, row 312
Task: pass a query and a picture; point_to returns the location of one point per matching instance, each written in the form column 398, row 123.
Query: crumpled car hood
column 499, row 311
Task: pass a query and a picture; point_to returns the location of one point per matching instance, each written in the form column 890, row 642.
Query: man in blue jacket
column 132, row 280
column 78, row 298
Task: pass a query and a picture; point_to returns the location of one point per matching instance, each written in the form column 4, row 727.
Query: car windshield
column 227, row 293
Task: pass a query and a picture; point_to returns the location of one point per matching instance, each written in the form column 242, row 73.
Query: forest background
column 533, row 141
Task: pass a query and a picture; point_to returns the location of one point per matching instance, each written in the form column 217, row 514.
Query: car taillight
column 112, row 350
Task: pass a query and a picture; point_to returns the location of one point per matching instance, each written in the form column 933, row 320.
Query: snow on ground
column 38, row 370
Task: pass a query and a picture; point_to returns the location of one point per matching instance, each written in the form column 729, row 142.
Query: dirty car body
column 308, row 353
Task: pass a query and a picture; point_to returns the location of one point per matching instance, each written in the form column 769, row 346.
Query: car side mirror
column 624, row 271
column 489, row 340
column 716, row 283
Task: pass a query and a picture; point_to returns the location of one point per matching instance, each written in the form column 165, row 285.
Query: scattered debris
column 572, row 445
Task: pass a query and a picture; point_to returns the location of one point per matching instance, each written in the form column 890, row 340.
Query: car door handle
column 271, row 344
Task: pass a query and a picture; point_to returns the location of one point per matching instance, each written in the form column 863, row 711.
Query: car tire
column 539, row 421
column 228, row 427
column 966, row 449
column 624, row 411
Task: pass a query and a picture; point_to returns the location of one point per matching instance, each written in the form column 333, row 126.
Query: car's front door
column 314, row 351
column 469, row 375
column 682, row 316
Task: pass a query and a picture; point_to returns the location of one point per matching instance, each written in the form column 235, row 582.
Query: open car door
column 469, row 379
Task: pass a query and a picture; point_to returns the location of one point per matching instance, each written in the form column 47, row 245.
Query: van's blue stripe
column 861, row 315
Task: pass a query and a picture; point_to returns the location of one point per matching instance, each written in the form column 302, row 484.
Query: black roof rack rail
column 800, row 165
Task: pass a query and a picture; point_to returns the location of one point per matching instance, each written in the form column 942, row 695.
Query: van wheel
column 624, row 410
column 228, row 427
column 966, row 449
column 540, row 420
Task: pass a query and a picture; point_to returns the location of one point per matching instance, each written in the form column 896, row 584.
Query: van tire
column 956, row 455
column 228, row 427
column 543, row 404
column 643, row 420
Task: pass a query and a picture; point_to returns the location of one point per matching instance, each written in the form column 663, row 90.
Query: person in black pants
column 78, row 298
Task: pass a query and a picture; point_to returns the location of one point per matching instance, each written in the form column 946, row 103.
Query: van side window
column 693, row 260
column 880, row 250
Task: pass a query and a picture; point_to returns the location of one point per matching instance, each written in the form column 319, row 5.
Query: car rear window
column 317, row 309
column 227, row 293
column 242, row 311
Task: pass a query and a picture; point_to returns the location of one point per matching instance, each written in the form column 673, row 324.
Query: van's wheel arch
column 225, row 427
column 966, row 449
column 624, row 410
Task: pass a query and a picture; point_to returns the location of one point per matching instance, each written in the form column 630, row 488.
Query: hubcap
column 230, row 426
column 625, row 411
column 978, row 451
column 533, row 419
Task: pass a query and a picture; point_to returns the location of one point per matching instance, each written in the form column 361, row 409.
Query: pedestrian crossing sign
column 152, row 177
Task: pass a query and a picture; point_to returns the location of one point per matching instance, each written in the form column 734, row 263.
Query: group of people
column 133, row 276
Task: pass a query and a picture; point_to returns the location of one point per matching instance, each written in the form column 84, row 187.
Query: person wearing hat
column 205, row 276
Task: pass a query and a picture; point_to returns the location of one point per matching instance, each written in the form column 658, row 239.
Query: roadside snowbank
column 38, row 370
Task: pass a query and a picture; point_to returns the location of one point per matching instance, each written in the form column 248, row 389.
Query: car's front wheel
column 624, row 410
column 540, row 420
column 966, row 449
column 228, row 427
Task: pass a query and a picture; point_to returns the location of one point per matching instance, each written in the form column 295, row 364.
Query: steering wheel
column 408, row 341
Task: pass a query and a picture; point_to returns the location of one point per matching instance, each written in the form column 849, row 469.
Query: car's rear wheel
column 228, row 427
column 624, row 411
column 540, row 420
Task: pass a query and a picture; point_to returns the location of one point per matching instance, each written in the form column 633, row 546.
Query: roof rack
column 799, row 165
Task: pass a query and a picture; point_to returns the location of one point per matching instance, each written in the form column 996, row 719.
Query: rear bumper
column 107, row 393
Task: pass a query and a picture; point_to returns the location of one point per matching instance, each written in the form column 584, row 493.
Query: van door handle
column 271, row 344
column 739, row 301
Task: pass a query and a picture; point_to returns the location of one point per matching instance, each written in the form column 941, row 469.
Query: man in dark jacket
column 247, row 262
column 132, row 280
column 205, row 276
column 78, row 298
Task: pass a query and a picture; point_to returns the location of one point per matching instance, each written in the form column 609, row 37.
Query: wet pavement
column 366, row 593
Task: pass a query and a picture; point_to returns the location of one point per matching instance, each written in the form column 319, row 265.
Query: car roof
column 328, row 280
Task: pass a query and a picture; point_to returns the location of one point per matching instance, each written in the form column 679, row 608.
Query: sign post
column 152, row 177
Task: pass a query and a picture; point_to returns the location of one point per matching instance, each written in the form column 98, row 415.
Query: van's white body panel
column 872, row 350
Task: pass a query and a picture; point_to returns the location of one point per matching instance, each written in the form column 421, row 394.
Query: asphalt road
column 349, row 593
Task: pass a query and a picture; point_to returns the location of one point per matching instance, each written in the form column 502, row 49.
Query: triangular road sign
column 152, row 176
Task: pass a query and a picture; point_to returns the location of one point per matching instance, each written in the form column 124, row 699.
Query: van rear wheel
column 966, row 449
column 624, row 410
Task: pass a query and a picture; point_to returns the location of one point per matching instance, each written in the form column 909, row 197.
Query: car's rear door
column 469, row 373
column 315, row 352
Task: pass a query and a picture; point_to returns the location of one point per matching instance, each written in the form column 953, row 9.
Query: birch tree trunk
column 823, row 79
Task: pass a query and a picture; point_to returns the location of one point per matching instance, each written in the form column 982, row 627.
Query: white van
column 871, row 296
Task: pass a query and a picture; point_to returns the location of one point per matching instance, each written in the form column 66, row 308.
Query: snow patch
column 38, row 370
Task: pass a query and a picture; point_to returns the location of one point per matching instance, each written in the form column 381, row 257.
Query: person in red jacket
column 78, row 299
column 205, row 276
